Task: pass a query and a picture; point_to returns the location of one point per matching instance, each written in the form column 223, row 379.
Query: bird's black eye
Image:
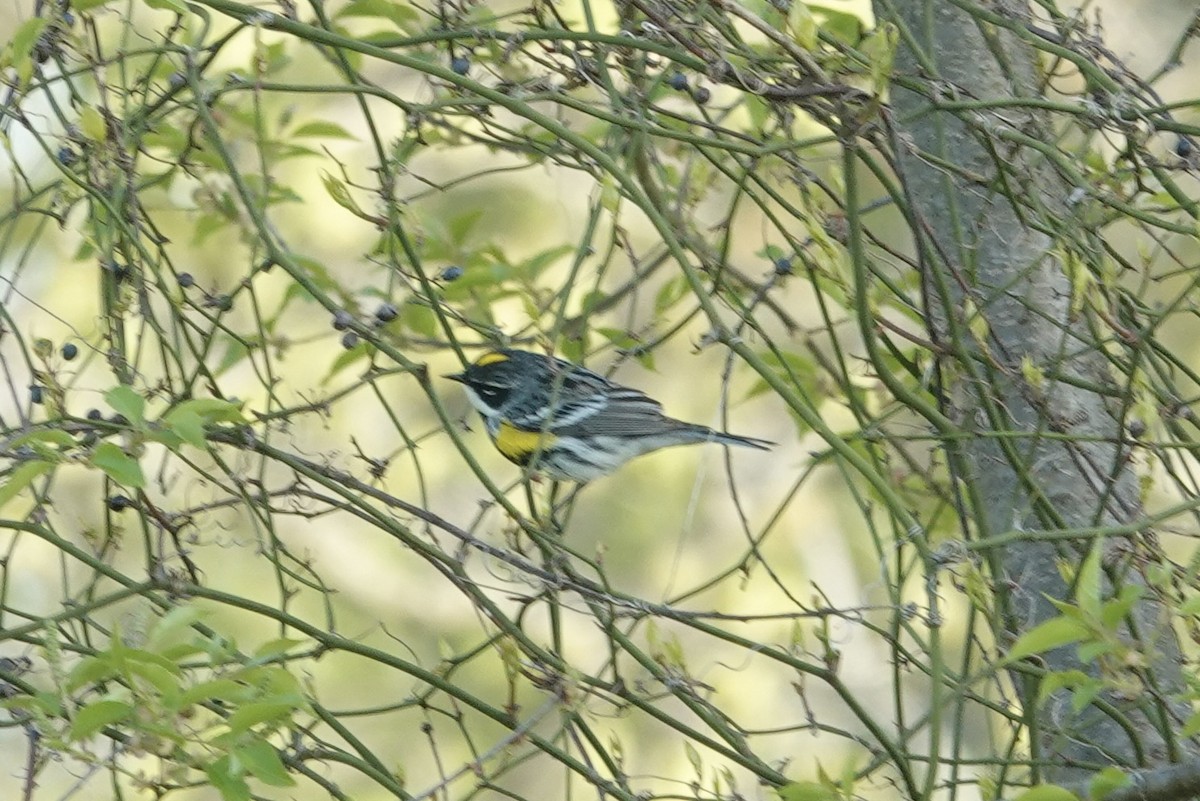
column 492, row 394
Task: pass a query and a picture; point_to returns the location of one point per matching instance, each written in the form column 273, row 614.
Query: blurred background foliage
column 253, row 545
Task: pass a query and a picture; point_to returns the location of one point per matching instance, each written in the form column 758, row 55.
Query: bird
column 565, row 422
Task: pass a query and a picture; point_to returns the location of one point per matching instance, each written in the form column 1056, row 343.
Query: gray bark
column 980, row 253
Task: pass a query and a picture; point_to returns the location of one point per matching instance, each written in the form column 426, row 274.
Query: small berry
column 94, row 415
column 68, row 18
column 386, row 313
column 119, row 420
column 67, row 156
column 342, row 320
column 119, row 503
column 349, row 340
column 1183, row 147
column 1136, row 428
column 783, row 266
column 120, row 271
column 452, row 273
column 702, row 95
column 69, row 351
column 221, row 303
column 36, row 395
column 460, row 65
column 186, row 280
column 677, row 81
column 177, row 80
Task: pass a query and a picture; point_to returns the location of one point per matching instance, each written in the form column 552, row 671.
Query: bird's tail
column 745, row 442
column 706, row 434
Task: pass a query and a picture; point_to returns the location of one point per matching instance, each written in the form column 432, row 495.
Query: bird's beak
column 459, row 377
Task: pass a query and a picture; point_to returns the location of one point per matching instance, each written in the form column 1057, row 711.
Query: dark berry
column 452, row 273
column 460, row 65
column 1183, row 147
column 186, row 280
column 677, row 81
column 69, row 351
column 119, row 420
column 36, row 395
column 95, row 414
column 349, row 340
column 342, row 320
column 386, row 313
column 119, row 271
column 177, row 80
column 119, row 503
column 67, row 156
column 783, row 265
column 1136, row 428
column 702, row 95
column 68, row 18
column 221, row 303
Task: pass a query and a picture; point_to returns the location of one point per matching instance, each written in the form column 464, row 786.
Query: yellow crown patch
column 495, row 357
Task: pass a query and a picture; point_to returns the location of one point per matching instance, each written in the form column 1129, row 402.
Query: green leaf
column 177, row 6
column 258, row 712
column 807, row 791
column 1106, row 781
column 23, row 42
column 1192, row 727
column 42, row 440
column 1087, row 583
column 1117, row 609
column 171, row 625
column 120, row 466
column 188, row 426
column 1084, row 694
column 277, row 647
column 124, row 400
column 91, row 122
column 536, row 264
column 1071, row 679
column 165, row 680
column 1047, row 792
column 22, row 477
column 802, row 25
column 399, row 13
column 461, row 225
column 235, row 353
column 262, row 761
column 321, row 129
column 345, row 359
column 188, row 419
column 226, row 690
column 670, row 293
column 880, row 49
column 89, row 671
column 96, row 715
column 839, row 23
column 419, row 319
column 1055, row 632
column 207, row 411
column 229, row 784
column 341, row 195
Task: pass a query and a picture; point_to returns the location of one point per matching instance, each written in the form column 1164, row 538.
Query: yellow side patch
column 518, row 445
column 490, row 358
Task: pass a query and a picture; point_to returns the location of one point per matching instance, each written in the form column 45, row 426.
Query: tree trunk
column 1034, row 372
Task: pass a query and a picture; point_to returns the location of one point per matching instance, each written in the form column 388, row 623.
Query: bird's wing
column 620, row 412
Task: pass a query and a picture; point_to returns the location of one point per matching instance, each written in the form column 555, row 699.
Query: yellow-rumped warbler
column 568, row 423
